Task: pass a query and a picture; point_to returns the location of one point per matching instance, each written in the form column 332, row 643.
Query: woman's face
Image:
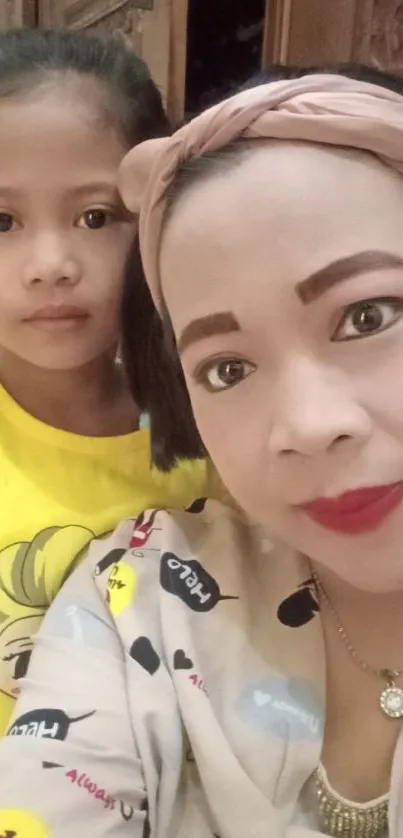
column 284, row 281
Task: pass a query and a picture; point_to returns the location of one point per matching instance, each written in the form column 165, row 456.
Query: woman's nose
column 315, row 410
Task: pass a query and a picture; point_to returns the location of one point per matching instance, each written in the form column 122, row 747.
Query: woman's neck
column 92, row 400
column 373, row 621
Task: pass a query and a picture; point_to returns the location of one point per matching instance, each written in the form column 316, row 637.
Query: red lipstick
column 357, row 512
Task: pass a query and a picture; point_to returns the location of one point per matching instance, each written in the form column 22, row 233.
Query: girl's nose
column 52, row 263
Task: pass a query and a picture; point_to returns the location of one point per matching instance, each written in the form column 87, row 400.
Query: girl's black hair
column 174, row 434
column 31, row 57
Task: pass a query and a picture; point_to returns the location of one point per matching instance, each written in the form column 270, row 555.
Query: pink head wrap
column 318, row 108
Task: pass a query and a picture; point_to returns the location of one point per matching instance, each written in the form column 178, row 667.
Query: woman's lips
column 355, row 512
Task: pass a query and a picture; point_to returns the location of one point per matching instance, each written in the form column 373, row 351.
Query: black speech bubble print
column 299, row 608
column 190, row 582
column 45, row 724
column 48, row 765
column 111, row 558
column 197, row 506
column 143, row 652
column 181, row 661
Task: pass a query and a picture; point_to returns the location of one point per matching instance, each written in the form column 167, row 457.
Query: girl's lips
column 355, row 512
column 57, row 318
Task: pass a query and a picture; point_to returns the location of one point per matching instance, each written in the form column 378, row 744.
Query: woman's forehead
column 288, row 205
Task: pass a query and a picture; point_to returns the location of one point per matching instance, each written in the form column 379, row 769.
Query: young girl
column 239, row 673
column 72, row 457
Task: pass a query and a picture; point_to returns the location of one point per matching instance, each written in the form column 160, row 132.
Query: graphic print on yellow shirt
column 31, row 573
column 58, row 491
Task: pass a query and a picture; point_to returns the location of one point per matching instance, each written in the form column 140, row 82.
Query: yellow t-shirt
column 57, row 491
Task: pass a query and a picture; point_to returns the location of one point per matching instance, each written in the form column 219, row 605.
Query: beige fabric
column 318, row 108
column 175, row 691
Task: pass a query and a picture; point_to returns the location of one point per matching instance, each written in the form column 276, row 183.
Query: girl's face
column 284, row 281
column 64, row 234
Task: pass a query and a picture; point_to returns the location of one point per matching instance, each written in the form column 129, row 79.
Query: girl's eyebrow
column 80, row 189
column 96, row 186
column 342, row 269
column 221, row 323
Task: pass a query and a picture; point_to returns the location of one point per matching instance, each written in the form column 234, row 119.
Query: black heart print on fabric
column 299, row 608
column 143, row 652
column 181, row 661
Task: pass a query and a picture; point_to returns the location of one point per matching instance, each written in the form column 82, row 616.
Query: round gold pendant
column 391, row 701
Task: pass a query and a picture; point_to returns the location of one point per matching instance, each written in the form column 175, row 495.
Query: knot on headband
column 318, row 108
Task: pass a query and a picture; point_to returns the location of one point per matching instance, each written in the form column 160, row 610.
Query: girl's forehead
column 54, row 137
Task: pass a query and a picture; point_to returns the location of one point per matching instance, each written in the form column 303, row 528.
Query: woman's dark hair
column 174, row 434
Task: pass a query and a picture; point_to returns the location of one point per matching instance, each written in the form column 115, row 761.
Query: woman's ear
column 134, row 172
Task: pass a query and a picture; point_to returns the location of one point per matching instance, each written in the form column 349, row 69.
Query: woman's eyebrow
column 342, row 269
column 221, row 323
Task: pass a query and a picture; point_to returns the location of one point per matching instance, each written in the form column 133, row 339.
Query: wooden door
column 17, row 13
column 324, row 31
column 155, row 28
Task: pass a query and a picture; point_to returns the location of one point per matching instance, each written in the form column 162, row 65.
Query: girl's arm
column 69, row 765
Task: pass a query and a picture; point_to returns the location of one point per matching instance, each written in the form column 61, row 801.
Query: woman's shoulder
column 156, row 528
column 207, row 533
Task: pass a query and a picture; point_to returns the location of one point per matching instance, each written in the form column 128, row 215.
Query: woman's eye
column 7, row 222
column 368, row 317
column 96, row 219
column 224, row 374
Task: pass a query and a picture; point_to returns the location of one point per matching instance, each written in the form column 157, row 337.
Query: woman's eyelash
column 223, row 373
column 367, row 318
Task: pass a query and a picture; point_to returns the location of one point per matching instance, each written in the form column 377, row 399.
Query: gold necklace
column 391, row 698
column 344, row 819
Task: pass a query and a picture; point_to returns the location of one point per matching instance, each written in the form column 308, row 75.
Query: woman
column 220, row 672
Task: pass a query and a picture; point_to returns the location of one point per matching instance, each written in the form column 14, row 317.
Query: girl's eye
column 368, row 317
column 224, row 374
column 7, row 222
column 95, row 219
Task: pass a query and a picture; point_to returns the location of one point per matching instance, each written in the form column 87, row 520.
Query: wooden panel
column 335, row 31
column 17, row 13
column 307, row 32
column 149, row 32
column 177, row 61
column 78, row 14
column 386, row 40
